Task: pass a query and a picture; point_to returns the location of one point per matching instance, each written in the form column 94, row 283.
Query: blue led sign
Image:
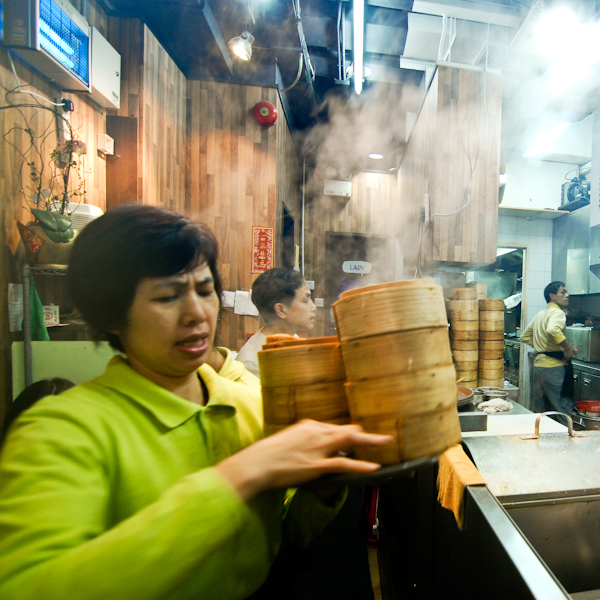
column 64, row 40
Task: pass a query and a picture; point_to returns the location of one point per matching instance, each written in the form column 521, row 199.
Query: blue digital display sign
column 64, row 40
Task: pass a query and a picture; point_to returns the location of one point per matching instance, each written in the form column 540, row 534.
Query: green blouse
column 107, row 491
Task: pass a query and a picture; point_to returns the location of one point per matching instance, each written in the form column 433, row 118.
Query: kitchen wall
column 239, row 175
column 153, row 94
column 536, row 237
column 535, row 183
column 86, row 120
column 455, row 147
column 373, row 208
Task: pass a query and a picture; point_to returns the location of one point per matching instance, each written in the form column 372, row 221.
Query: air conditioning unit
column 53, row 38
column 575, row 194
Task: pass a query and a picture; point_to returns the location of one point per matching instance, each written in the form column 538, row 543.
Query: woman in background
column 152, row 480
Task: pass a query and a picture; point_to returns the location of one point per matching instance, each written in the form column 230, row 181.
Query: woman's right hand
column 296, row 455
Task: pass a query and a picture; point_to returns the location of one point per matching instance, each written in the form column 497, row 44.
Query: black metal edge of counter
column 382, row 475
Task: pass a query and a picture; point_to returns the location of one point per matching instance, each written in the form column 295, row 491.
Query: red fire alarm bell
column 265, row 113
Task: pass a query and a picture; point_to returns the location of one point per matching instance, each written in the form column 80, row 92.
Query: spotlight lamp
column 241, row 45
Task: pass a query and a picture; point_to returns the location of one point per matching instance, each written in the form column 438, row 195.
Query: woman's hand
column 296, row 455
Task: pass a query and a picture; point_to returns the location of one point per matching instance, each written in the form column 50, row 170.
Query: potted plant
column 52, row 185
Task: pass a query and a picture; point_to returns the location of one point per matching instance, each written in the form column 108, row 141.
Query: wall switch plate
column 311, row 284
column 319, row 303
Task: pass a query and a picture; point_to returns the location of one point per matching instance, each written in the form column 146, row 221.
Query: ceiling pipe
column 358, row 45
column 309, row 69
column 341, row 45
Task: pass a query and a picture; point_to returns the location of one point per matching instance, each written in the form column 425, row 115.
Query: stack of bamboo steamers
column 399, row 376
column 477, row 338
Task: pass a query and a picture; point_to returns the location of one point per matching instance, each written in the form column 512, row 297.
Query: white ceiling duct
column 481, row 12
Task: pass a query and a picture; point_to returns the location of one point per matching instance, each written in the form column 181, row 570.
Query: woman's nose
column 194, row 309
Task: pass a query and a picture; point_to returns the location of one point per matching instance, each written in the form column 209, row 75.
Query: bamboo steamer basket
column 463, row 293
column 389, row 307
column 466, row 355
column 462, row 315
column 467, row 305
column 490, row 354
column 464, row 326
column 463, row 335
column 460, row 345
column 284, row 340
column 491, row 345
column 471, row 375
column 491, row 364
column 301, row 364
column 491, row 304
column 498, row 374
column 284, row 406
column 497, row 383
column 491, row 335
column 470, row 365
column 495, row 325
column 470, row 384
column 417, row 409
column 491, row 315
column 480, row 287
column 396, row 353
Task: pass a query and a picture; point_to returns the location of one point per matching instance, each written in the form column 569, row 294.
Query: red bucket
column 589, row 406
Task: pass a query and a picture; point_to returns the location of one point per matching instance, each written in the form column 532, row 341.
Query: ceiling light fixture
column 358, row 18
column 376, row 155
column 241, row 45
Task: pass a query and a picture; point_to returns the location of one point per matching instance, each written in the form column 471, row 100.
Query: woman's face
column 171, row 325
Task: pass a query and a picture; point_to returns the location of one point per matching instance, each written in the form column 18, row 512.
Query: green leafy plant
column 51, row 181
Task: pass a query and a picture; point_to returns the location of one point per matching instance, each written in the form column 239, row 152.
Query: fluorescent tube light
column 359, row 42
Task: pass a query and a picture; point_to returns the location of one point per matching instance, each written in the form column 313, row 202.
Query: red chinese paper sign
column 263, row 256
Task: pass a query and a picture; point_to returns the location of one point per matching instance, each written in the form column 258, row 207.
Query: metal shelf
column 530, row 213
column 28, row 271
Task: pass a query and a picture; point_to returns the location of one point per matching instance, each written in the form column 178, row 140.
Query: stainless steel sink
column 550, row 487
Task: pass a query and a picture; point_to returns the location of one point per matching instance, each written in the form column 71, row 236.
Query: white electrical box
column 106, row 144
column 106, row 72
column 333, row 187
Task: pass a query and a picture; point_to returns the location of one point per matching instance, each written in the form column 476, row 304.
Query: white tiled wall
column 536, row 236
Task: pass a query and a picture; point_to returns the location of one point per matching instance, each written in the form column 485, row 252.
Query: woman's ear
column 280, row 310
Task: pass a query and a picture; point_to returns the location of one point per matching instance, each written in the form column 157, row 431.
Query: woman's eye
column 166, row 299
column 206, row 293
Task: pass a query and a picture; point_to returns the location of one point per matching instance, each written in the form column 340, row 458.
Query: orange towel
column 455, row 472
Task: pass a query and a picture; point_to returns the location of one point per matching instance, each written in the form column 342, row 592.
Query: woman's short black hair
column 113, row 253
column 31, row 394
column 552, row 288
column 274, row 286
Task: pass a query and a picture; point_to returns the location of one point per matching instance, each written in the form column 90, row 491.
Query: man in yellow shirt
column 546, row 333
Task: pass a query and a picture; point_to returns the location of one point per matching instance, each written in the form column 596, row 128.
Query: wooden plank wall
column 87, row 121
column 153, row 90
column 373, row 208
column 459, row 122
column 233, row 183
column 163, row 127
column 289, row 183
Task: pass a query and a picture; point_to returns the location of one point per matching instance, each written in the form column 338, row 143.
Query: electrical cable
column 22, row 91
column 300, row 65
column 468, row 150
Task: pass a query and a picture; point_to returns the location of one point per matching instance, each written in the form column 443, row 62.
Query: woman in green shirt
column 152, row 481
